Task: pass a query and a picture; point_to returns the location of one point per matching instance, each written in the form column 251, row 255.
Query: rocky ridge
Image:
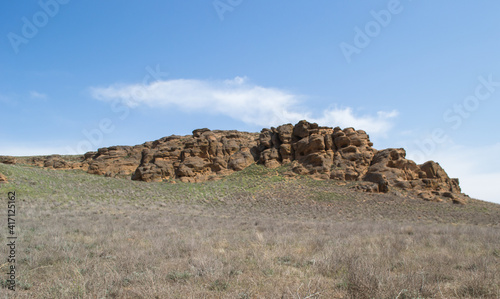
column 312, row 150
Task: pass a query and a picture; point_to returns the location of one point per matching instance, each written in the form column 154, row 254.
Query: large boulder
column 379, row 179
column 393, row 164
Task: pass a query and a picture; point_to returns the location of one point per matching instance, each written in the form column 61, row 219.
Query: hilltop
column 320, row 152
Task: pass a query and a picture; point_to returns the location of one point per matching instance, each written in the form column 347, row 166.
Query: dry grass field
column 254, row 234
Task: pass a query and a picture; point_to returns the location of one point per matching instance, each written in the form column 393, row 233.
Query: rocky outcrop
column 8, row 160
column 390, row 167
column 312, row 150
column 202, row 156
column 52, row 162
column 114, row 161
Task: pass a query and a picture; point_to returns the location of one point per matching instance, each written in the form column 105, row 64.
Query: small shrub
column 284, row 260
column 178, row 276
column 219, row 285
column 268, row 272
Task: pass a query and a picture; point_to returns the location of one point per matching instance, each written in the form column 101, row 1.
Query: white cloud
column 38, row 95
column 238, row 99
column 379, row 124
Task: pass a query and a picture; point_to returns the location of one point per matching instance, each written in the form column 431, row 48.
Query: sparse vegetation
column 254, row 234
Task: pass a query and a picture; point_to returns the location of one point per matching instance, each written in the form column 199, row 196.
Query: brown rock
column 301, row 129
column 428, row 196
column 462, row 199
column 316, row 143
column 351, row 174
column 199, row 157
column 285, row 133
column 56, row 162
column 298, row 168
column 338, row 174
column 433, row 170
column 286, row 153
column 8, row 160
column 199, row 132
column 405, row 174
column 115, row 160
column 367, row 187
column 379, row 179
column 3, row 179
column 342, row 141
column 394, row 165
column 265, row 138
column 270, row 158
column 148, row 173
column 241, row 159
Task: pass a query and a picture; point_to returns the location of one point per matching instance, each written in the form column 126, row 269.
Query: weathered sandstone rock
column 320, row 152
column 8, row 160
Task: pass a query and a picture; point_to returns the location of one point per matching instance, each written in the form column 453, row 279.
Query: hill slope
column 254, row 233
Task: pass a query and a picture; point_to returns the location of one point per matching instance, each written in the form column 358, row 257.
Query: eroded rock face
column 114, row 161
column 429, row 179
column 53, row 162
column 199, row 157
column 321, row 152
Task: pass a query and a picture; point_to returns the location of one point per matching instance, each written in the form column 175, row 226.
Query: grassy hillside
column 254, row 234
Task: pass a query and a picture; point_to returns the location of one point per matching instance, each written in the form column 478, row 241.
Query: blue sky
column 424, row 75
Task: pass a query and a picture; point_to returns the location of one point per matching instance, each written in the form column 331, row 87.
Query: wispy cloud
column 38, row 95
column 239, row 99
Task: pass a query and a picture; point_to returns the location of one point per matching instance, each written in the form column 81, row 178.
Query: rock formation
column 199, row 157
column 7, row 160
column 321, row 152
